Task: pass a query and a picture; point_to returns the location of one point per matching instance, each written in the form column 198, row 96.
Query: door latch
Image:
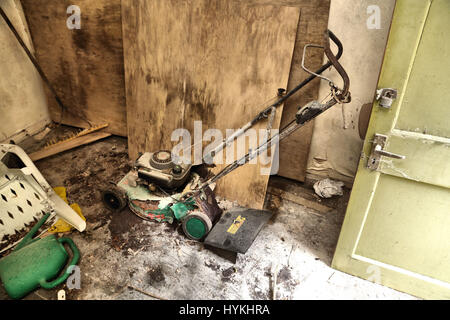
column 386, row 97
column 379, row 142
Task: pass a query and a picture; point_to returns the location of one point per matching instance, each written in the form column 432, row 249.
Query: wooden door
column 396, row 230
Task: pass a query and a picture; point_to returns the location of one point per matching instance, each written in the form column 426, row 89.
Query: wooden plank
column 214, row 61
column 67, row 145
column 298, row 199
column 84, row 65
column 306, row 191
column 295, row 187
column 294, row 150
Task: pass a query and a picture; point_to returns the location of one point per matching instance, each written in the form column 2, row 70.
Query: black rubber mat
column 237, row 229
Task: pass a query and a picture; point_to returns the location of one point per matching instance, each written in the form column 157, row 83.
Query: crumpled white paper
column 328, row 188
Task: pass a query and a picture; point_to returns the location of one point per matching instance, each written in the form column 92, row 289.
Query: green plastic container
column 36, row 262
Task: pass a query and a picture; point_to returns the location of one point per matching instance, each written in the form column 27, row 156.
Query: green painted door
column 397, row 226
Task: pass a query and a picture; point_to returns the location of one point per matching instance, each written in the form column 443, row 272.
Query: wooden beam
column 67, row 145
column 286, row 195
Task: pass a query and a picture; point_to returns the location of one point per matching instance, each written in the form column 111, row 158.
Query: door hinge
column 386, row 97
column 379, row 142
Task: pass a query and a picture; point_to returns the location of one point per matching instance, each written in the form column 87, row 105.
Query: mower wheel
column 114, row 198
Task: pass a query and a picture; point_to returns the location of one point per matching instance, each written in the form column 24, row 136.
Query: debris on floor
column 125, row 257
column 328, row 188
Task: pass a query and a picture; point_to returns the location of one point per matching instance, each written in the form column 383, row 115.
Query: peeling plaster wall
column 23, row 104
column 335, row 151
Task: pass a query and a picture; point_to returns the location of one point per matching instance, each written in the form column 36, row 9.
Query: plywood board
column 84, row 65
column 212, row 61
column 294, row 150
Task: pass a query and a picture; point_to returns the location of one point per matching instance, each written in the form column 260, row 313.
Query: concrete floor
column 120, row 250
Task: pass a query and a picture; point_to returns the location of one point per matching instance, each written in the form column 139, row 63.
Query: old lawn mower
column 161, row 188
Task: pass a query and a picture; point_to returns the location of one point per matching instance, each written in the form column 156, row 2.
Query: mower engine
column 154, row 190
column 159, row 168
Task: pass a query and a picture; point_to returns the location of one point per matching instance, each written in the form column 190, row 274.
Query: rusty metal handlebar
column 344, row 95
